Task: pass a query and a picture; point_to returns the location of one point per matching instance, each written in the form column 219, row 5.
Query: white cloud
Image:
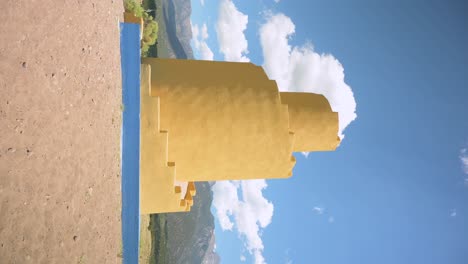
column 453, row 213
column 331, row 219
column 242, row 258
column 259, row 259
column 301, row 69
column 202, row 2
column 199, row 37
column 464, row 161
column 204, row 32
column 248, row 216
column 318, row 210
column 276, row 1
column 225, row 201
column 230, row 29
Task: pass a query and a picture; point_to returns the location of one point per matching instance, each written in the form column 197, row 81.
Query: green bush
column 150, row 34
column 134, row 7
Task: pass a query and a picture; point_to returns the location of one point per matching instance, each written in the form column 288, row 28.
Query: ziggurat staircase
column 159, row 189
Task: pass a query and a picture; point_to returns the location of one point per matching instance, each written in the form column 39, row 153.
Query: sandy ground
column 60, row 131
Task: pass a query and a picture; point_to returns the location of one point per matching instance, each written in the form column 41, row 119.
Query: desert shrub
column 150, row 34
column 134, row 7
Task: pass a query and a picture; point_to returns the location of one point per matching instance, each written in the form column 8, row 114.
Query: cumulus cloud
column 199, row 37
column 301, row 69
column 249, row 215
column 225, row 201
column 242, row 258
column 230, row 28
column 202, row 2
column 464, row 161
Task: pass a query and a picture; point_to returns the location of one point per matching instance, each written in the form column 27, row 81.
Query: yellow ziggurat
column 211, row 121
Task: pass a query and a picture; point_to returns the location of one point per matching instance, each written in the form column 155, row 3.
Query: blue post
column 130, row 141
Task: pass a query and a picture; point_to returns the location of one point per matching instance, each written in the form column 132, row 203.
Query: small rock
column 75, row 238
column 23, row 64
column 11, row 150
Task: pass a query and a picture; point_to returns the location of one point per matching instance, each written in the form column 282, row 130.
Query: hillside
column 175, row 30
column 191, row 235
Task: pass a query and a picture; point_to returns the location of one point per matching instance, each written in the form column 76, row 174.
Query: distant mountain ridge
column 191, row 236
column 176, row 15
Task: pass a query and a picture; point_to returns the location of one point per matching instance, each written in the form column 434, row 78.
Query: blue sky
column 396, row 190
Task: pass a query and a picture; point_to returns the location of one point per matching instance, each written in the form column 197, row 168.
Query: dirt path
column 60, row 131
